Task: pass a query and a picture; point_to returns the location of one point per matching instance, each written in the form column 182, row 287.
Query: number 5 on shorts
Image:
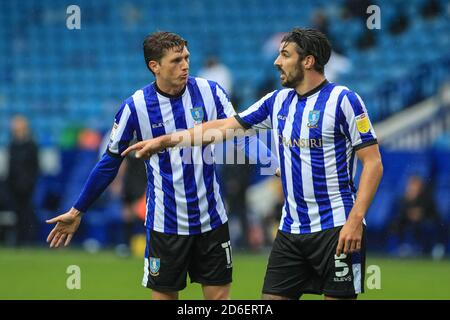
column 227, row 247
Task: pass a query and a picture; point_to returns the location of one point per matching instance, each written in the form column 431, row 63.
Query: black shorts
column 170, row 257
column 307, row 263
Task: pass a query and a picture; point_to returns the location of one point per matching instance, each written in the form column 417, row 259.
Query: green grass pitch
column 41, row 274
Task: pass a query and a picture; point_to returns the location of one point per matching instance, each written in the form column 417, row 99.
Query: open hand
column 66, row 225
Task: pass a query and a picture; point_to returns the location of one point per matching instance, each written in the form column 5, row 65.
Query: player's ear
column 308, row 62
column 154, row 66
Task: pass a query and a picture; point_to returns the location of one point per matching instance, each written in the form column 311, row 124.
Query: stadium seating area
column 66, row 79
column 62, row 78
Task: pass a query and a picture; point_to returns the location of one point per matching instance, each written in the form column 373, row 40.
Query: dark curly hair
column 311, row 42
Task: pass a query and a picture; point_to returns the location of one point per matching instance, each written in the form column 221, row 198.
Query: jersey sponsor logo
column 300, row 142
column 362, row 123
column 197, row 114
column 313, row 119
column 155, row 264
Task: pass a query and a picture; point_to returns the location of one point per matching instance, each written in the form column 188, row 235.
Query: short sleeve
column 225, row 108
column 355, row 121
column 122, row 132
column 258, row 115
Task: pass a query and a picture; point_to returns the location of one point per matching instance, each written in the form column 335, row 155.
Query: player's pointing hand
column 144, row 149
column 135, row 147
column 66, row 225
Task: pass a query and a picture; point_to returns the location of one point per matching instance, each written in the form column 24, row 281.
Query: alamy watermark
column 344, row 273
column 374, row 20
column 73, row 20
column 373, row 277
column 240, row 147
column 73, row 281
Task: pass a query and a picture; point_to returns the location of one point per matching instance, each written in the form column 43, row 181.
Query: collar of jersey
column 170, row 96
column 313, row 91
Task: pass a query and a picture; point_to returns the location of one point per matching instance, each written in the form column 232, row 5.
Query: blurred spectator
column 320, row 22
column 272, row 220
column 216, row 71
column 356, row 8
column 271, row 46
column 7, row 217
column 130, row 185
column 336, row 66
column 265, row 200
column 270, row 80
column 430, row 9
column 22, row 177
column 367, row 40
column 133, row 188
column 268, row 84
column 399, row 24
column 132, row 15
column 236, row 180
column 418, row 226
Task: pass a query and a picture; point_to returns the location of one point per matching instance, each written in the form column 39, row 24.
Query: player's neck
column 309, row 83
column 169, row 90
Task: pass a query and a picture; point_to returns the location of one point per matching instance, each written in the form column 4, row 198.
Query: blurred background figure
column 337, row 66
column 355, row 8
column 418, row 227
column 430, row 9
column 21, row 180
column 133, row 181
column 320, row 22
column 236, row 180
column 217, row 71
column 129, row 188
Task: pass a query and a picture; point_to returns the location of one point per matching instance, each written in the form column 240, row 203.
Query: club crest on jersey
column 197, row 114
column 313, row 118
column 154, row 266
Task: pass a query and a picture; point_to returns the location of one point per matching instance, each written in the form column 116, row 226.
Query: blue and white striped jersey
column 183, row 197
column 317, row 135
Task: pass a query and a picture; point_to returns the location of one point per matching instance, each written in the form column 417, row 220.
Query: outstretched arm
column 67, row 224
column 105, row 171
column 209, row 132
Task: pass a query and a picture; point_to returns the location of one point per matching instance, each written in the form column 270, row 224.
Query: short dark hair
column 156, row 44
column 311, row 42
